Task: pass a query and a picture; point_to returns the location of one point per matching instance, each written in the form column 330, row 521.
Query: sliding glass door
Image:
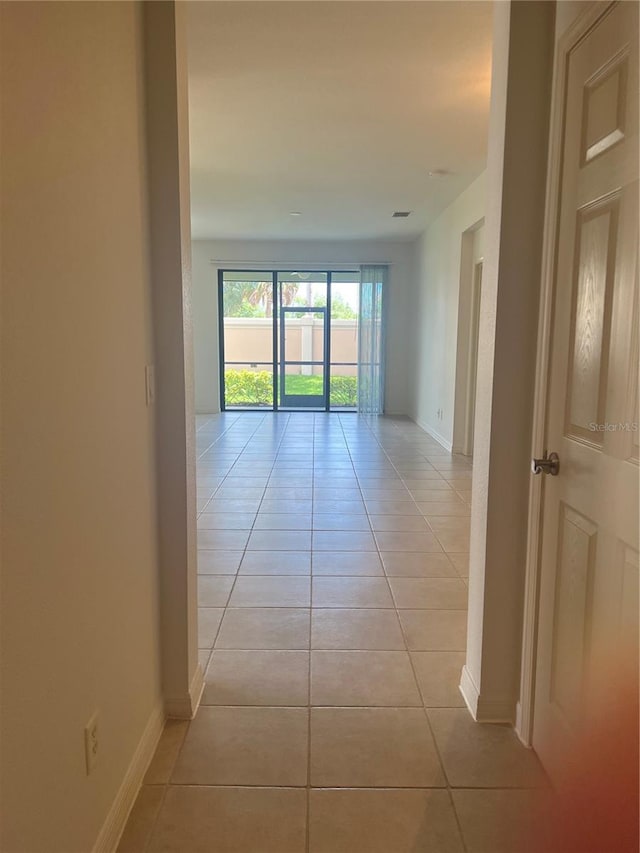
column 304, row 340
column 289, row 339
column 302, row 383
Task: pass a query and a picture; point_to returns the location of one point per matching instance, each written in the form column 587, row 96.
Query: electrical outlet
column 150, row 384
column 91, row 743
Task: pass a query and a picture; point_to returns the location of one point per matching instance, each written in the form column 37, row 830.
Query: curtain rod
column 317, row 265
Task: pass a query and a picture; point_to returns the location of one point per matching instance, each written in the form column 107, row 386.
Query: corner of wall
column 518, row 144
column 113, row 827
column 434, row 324
column 184, row 707
column 482, row 710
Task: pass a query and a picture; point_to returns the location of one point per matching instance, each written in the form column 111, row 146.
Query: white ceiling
column 338, row 110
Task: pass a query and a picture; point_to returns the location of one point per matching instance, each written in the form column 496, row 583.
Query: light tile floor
column 332, row 591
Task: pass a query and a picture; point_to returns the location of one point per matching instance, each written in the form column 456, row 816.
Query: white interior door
column 589, row 550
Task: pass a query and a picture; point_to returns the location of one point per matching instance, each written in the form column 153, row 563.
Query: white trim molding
column 442, row 441
column 184, row 707
column 116, row 820
column 575, row 33
column 288, row 266
column 482, row 710
column 469, row 690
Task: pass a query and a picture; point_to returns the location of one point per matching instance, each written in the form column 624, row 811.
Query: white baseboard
column 113, row 827
column 523, row 735
column 484, row 710
column 434, row 434
column 470, row 692
column 184, row 707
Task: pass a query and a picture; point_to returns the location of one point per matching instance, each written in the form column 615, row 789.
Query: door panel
column 605, row 108
column 589, row 549
column 591, row 319
column 577, row 538
column 303, row 374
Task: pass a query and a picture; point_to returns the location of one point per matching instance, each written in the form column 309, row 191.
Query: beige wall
column 79, row 585
column 251, row 340
column 168, row 153
column 434, row 319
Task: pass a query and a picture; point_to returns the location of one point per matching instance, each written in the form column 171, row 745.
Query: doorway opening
column 474, row 326
column 289, row 339
column 471, row 264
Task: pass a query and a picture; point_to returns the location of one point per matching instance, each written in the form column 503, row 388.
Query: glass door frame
column 276, row 302
column 305, row 401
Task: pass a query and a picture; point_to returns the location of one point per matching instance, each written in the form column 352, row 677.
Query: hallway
column 333, row 555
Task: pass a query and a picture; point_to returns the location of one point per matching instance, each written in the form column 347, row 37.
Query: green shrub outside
column 255, row 388
column 343, row 391
column 248, row 388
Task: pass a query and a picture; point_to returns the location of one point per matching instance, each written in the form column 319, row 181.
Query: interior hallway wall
column 79, row 564
column 434, row 313
column 348, row 252
column 516, row 178
column 167, row 122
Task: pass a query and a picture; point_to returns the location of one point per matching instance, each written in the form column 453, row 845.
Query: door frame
column 472, row 368
column 569, row 40
column 296, row 401
column 467, row 326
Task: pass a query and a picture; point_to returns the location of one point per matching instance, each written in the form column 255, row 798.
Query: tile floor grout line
column 154, row 822
column 424, row 709
column 235, row 578
column 169, row 775
column 216, row 439
column 372, row 451
column 380, row 560
column 222, row 434
column 232, row 465
column 427, row 522
column 433, row 737
column 244, row 553
column 308, row 791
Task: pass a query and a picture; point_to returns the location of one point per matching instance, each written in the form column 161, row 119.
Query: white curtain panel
column 371, row 341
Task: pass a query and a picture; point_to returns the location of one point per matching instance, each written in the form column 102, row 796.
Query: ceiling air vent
column 401, row 214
